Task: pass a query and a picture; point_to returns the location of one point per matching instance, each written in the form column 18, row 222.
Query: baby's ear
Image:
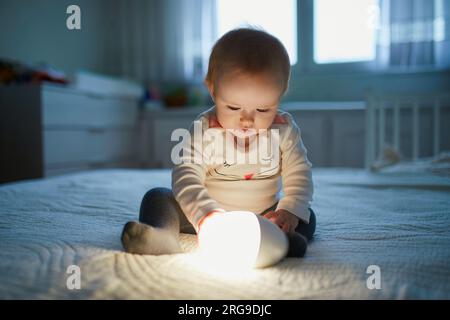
column 210, row 87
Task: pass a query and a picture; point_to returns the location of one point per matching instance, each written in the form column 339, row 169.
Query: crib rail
column 377, row 106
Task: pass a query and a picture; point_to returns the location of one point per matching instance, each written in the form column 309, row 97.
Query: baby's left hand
column 284, row 219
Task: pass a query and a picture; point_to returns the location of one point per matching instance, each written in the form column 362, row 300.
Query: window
column 276, row 17
column 345, row 30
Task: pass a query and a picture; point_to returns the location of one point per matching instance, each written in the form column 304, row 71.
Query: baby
column 248, row 74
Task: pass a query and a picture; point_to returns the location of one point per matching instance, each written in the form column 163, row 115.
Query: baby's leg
column 307, row 229
column 158, row 228
column 298, row 240
column 297, row 245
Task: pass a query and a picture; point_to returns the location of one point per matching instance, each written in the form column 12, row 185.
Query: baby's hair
column 249, row 51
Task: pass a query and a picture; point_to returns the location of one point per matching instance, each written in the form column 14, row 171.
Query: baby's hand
column 209, row 215
column 284, row 219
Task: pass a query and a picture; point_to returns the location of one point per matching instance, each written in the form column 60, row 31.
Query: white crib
column 386, row 113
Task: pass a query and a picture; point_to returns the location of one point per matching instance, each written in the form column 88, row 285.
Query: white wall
column 35, row 31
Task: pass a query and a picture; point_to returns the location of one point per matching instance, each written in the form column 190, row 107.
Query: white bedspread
column 399, row 222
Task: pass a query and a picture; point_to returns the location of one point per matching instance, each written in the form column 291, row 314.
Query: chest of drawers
column 50, row 129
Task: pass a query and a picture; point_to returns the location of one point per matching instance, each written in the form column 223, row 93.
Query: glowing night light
column 241, row 239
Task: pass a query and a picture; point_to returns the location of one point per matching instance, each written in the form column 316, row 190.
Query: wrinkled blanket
column 398, row 222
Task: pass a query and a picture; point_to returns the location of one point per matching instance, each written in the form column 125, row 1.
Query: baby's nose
column 247, row 122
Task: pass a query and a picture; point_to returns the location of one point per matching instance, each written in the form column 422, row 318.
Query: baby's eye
column 262, row 110
column 233, row 108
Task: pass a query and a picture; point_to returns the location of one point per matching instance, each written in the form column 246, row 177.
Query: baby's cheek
column 266, row 123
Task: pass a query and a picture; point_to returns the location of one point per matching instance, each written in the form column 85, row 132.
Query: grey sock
column 141, row 238
column 297, row 245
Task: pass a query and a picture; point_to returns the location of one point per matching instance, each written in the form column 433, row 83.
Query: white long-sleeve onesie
column 205, row 186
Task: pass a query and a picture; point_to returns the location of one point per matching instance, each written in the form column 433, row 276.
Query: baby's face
column 246, row 102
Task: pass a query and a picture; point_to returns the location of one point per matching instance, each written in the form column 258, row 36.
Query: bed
column 396, row 220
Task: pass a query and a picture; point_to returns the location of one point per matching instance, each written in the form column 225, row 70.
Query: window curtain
column 165, row 40
column 414, row 34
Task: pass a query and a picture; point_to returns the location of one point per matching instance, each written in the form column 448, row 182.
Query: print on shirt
column 231, row 170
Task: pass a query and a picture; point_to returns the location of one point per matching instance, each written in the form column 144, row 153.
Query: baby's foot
column 297, row 245
column 144, row 239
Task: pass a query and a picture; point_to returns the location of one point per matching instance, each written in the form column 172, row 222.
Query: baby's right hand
column 209, row 215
